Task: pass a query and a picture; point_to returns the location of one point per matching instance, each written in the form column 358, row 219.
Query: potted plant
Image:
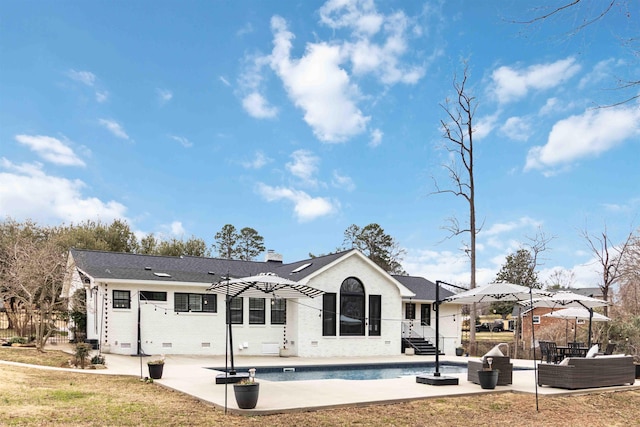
column 459, row 351
column 155, row 368
column 246, row 391
column 488, row 377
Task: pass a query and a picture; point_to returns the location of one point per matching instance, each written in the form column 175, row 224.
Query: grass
column 36, row 397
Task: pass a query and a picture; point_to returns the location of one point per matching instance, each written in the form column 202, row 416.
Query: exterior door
column 425, row 314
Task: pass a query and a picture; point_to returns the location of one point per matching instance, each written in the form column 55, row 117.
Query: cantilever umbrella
column 576, row 313
column 567, row 299
column 498, row 291
column 263, row 285
column 501, row 291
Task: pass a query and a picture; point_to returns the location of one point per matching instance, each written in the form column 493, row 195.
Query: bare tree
column 32, row 273
column 609, row 257
column 586, row 14
column 628, row 301
column 458, row 132
column 561, row 279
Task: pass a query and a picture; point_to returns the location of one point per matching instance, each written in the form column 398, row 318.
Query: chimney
column 272, row 256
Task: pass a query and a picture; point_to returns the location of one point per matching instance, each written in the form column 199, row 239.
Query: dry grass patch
column 31, row 396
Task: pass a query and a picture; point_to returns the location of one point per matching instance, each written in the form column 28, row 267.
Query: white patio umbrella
column 502, row 291
column 567, row 299
column 499, row 291
column 263, row 285
column 576, row 313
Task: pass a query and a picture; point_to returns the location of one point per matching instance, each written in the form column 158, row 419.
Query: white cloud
column 29, row 193
column 484, row 126
column 51, row 149
column 304, row 165
column 342, row 181
column 177, row 229
column 318, row 85
column 246, row 29
column 102, row 96
column 588, row 134
column 361, row 15
column 501, row 228
column 182, row 140
column 257, row 106
column 306, row 208
column 85, row 77
column 383, row 60
column 114, row 127
column 224, row 81
column 511, row 84
column 259, row 161
column 164, row 95
column 376, row 138
column 517, row 128
column 601, row 71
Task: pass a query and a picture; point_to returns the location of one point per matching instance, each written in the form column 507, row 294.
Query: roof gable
column 422, row 288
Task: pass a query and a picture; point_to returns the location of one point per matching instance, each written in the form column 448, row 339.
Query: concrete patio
column 189, row 375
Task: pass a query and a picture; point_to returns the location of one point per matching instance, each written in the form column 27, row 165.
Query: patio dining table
column 566, row 351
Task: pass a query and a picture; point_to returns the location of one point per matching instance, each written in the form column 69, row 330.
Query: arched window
column 352, row 317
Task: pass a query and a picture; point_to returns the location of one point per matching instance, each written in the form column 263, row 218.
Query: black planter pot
column 459, row 351
column 246, row 395
column 488, row 379
column 155, row 371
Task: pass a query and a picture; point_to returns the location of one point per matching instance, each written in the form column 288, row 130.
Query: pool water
column 352, row 372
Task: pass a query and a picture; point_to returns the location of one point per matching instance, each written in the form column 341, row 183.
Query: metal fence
column 59, row 323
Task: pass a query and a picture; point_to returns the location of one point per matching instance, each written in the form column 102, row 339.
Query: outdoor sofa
column 588, row 372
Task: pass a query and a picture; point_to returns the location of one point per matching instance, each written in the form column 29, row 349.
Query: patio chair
column 552, row 352
column 575, row 349
column 499, row 362
column 610, row 347
column 544, row 351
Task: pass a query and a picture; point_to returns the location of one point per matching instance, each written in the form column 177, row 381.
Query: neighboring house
column 542, row 322
column 161, row 305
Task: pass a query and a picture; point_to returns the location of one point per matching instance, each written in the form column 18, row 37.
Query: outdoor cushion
column 564, row 362
column 495, row 351
column 592, row 351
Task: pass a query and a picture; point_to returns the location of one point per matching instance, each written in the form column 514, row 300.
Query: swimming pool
column 351, row 372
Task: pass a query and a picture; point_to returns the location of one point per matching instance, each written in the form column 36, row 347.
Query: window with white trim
column 195, row 303
column 256, row 311
column 121, row 299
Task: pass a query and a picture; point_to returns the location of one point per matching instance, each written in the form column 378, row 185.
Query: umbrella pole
column 230, row 331
column 590, row 319
column 533, row 344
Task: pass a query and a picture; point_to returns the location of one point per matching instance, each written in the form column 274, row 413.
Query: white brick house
column 161, row 305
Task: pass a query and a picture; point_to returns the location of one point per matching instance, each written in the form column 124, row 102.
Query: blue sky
column 299, row 119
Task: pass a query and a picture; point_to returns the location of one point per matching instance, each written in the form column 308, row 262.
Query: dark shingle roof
column 423, row 288
column 128, row 266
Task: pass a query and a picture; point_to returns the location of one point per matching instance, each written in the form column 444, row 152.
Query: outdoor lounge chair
column 589, row 372
column 501, row 363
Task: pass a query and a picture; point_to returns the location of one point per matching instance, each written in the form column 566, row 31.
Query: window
column 375, row 312
column 425, row 314
column 256, row 311
column 121, row 299
column 206, row 303
column 235, row 310
column 536, row 320
column 410, row 311
column 329, row 315
column 278, row 311
column 351, row 307
column 153, row 296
